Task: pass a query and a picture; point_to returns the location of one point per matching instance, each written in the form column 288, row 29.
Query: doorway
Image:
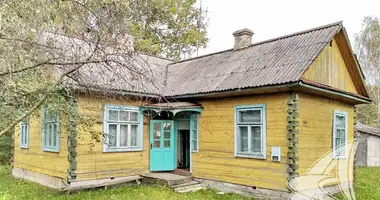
column 184, row 149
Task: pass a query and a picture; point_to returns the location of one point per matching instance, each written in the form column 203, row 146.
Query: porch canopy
column 174, row 107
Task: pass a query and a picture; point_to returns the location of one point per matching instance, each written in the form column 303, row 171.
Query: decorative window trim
column 194, row 118
column 345, row 114
column 21, row 135
column 140, row 128
column 262, row 155
column 44, row 146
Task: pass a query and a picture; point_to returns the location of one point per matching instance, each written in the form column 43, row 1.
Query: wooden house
column 248, row 117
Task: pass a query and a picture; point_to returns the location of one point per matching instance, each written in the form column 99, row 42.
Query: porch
column 173, row 136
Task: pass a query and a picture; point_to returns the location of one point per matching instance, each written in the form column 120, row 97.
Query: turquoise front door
column 162, row 146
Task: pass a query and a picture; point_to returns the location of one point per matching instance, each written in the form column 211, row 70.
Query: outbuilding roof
column 367, row 129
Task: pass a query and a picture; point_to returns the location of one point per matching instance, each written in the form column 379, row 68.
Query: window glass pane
column 195, row 135
column 134, row 137
column 256, row 139
column 340, row 121
column 157, row 135
column 124, row 116
column 167, row 126
column 123, row 135
column 156, row 144
column 195, row 121
column 166, row 143
column 113, row 115
column 54, row 135
column 112, row 129
column 195, row 145
column 25, row 135
column 243, row 144
column 134, row 117
column 340, row 133
column 48, row 135
column 22, row 136
column 250, row 115
column 166, row 135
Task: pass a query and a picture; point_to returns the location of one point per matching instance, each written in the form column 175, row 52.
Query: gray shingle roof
column 367, row 129
column 272, row 62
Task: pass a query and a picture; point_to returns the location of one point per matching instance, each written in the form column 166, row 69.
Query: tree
column 174, row 28
column 367, row 47
column 45, row 43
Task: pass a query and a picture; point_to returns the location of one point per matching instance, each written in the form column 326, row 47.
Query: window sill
column 50, row 150
column 339, row 157
column 259, row 157
column 24, row 147
column 122, row 150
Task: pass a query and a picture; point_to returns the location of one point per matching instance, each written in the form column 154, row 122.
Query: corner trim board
column 293, row 131
column 72, row 138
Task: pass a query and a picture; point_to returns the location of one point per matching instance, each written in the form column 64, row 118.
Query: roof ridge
column 266, row 41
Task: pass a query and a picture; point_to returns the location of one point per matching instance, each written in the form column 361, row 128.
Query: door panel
column 162, row 146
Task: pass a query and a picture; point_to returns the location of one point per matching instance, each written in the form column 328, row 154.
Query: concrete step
column 190, row 188
column 164, row 179
column 184, row 184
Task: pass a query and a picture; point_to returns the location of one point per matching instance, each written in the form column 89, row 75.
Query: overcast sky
column 273, row 18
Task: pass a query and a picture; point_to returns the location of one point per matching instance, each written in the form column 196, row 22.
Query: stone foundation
column 262, row 193
column 43, row 179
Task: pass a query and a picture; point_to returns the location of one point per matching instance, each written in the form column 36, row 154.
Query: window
column 50, row 130
column 250, row 139
column 123, row 128
column 340, row 134
column 24, row 134
column 194, row 131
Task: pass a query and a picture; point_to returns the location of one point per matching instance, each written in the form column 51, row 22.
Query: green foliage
column 172, row 28
column 5, row 149
column 367, row 47
column 11, row 188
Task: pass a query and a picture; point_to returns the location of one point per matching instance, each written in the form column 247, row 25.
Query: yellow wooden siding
column 330, row 69
column 316, row 128
column 216, row 159
column 34, row 159
column 92, row 163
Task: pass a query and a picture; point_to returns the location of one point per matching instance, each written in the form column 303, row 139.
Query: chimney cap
column 244, row 31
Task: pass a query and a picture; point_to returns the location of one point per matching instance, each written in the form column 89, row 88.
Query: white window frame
column 345, row 115
column 262, row 124
column 46, row 147
column 24, row 134
column 194, row 118
column 139, row 123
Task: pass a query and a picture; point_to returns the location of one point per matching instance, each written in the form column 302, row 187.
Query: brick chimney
column 243, row 38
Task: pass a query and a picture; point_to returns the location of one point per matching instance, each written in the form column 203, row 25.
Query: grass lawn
column 11, row 188
column 367, row 185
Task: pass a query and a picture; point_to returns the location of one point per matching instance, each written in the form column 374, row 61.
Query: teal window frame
column 55, row 122
column 334, row 138
column 107, row 121
column 262, row 124
column 194, row 130
column 24, row 134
